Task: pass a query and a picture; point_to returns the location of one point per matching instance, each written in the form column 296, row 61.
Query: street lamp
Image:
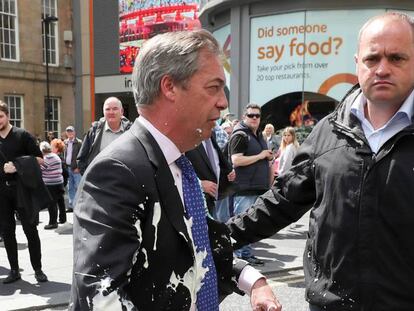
column 47, row 19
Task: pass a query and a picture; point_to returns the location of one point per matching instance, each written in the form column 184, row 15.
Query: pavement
column 281, row 253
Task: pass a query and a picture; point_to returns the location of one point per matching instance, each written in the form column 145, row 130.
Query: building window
column 8, row 30
column 15, row 104
column 50, row 30
column 52, row 116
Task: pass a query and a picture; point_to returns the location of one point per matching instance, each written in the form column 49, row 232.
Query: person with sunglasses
column 250, row 157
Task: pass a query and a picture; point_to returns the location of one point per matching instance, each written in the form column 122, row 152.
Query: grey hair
column 112, row 98
column 174, row 54
column 45, row 147
column 393, row 15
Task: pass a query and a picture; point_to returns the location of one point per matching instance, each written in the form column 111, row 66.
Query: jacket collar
column 342, row 113
column 346, row 122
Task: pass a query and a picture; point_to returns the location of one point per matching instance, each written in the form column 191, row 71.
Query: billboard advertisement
column 309, row 51
column 140, row 20
column 223, row 36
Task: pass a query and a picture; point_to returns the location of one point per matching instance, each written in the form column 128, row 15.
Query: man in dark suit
column 214, row 171
column 136, row 233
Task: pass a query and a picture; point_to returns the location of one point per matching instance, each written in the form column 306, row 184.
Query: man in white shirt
column 142, row 240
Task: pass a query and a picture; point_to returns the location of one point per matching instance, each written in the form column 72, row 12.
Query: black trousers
column 8, row 207
column 56, row 191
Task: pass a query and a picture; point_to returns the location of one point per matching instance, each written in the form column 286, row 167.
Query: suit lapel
column 202, row 151
column 222, row 160
column 169, row 197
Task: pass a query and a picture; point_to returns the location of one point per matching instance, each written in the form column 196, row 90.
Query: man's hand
column 231, row 176
column 209, row 187
column 262, row 297
column 9, row 168
column 267, row 154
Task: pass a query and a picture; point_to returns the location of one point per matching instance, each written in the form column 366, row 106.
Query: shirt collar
column 168, row 148
column 407, row 108
column 107, row 128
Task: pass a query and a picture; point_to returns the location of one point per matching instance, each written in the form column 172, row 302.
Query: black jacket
column 132, row 246
column 32, row 194
column 202, row 166
column 359, row 253
column 77, row 143
column 91, row 145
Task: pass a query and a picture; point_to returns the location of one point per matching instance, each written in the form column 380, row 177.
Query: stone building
column 38, row 87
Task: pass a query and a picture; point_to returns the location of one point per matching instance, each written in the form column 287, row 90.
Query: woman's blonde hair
column 270, row 126
column 292, row 132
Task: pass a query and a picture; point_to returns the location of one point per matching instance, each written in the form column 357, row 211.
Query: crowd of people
column 182, row 196
column 61, row 162
column 243, row 165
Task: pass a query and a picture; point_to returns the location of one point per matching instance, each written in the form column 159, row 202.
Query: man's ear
column 356, row 63
column 168, row 87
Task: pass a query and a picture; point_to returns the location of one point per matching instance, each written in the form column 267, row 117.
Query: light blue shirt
column 400, row 120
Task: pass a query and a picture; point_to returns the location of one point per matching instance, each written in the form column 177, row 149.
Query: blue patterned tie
column 207, row 296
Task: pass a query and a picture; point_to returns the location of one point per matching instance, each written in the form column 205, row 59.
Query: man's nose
column 222, row 102
column 383, row 68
